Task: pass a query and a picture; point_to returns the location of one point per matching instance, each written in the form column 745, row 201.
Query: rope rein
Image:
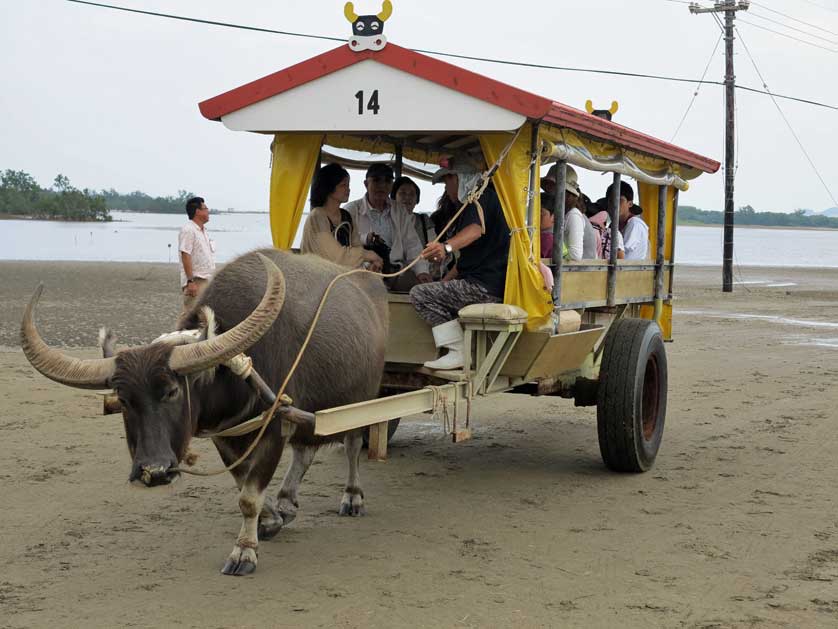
column 281, row 398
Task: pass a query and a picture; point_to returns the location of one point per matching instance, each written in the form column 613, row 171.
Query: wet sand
column 736, row 525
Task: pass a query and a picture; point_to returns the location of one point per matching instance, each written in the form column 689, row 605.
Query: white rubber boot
column 450, row 336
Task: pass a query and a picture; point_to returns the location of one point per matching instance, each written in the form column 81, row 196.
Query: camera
column 377, row 244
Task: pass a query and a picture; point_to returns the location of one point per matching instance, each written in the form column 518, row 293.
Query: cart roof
column 416, row 95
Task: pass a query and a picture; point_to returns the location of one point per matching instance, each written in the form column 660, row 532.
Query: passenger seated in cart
column 480, row 273
column 548, row 202
column 635, row 230
column 406, row 194
column 374, row 215
column 579, row 235
column 329, row 231
column 601, row 220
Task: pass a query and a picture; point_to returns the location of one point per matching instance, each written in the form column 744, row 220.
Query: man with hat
column 579, row 234
column 374, row 214
column 481, row 238
column 634, row 229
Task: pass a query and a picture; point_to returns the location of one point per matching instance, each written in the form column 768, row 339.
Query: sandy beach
column 735, row 526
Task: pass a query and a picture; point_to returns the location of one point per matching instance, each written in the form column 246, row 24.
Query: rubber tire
column 631, row 401
column 392, row 425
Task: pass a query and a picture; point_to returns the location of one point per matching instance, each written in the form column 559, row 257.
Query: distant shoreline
column 23, row 217
column 791, row 227
column 20, row 217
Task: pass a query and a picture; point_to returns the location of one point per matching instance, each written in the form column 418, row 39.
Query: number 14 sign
column 372, row 104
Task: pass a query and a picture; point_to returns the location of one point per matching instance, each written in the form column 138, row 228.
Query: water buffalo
column 170, row 390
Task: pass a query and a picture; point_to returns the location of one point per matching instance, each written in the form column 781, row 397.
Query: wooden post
column 534, row 186
column 672, row 244
column 399, row 152
column 661, row 236
column 614, row 210
column 378, row 442
column 558, row 232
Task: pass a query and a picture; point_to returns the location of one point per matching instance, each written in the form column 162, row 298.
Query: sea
column 140, row 237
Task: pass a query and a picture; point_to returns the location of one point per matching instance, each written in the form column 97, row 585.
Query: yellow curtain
column 292, row 167
column 648, row 200
column 524, row 284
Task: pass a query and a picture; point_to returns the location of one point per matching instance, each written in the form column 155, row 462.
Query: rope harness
column 261, row 423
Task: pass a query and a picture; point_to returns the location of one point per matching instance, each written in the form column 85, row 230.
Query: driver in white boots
column 479, row 275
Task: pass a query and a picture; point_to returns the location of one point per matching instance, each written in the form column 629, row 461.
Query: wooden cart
column 395, row 105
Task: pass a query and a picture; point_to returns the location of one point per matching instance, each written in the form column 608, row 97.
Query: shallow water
column 153, row 238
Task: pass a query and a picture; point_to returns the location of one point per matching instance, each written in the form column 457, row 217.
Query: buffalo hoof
column 241, row 562
column 287, row 509
column 352, row 504
column 287, row 517
column 268, row 528
column 270, row 521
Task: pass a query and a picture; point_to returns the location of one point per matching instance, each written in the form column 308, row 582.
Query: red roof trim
column 581, row 121
column 465, row 81
column 446, row 74
column 282, row 81
column 505, row 96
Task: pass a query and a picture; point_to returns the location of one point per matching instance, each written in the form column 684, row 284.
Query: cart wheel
column 631, row 403
column 391, row 430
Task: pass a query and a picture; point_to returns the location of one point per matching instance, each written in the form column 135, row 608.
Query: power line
column 210, row 22
column 697, row 88
column 788, row 36
column 759, row 4
column 794, row 28
column 820, row 6
column 540, row 66
column 786, row 120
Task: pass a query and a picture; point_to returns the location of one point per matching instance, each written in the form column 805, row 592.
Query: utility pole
column 729, row 8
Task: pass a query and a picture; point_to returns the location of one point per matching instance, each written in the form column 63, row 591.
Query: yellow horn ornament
column 614, row 107
column 349, row 12
column 386, row 10
column 589, row 106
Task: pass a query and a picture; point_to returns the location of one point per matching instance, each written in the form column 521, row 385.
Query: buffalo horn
column 386, row 10
column 56, row 365
column 349, row 12
column 186, row 359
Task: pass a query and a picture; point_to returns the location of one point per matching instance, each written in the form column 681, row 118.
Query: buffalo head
column 155, row 383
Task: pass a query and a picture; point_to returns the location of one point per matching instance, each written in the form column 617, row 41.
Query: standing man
column 197, row 252
column 634, row 229
column 374, row 214
column 479, row 277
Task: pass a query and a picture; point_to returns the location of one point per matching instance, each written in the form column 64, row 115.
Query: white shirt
column 402, row 238
column 574, row 233
column 196, row 242
column 636, row 239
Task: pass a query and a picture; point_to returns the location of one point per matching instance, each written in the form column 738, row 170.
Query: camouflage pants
column 439, row 302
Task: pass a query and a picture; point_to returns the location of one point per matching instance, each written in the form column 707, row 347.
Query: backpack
column 602, row 226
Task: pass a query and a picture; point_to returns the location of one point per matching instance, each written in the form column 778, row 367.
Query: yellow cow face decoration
column 368, row 30
column 602, row 113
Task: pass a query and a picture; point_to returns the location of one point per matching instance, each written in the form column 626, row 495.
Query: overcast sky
column 110, row 98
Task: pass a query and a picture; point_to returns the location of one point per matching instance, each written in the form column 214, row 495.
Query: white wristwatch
column 448, row 248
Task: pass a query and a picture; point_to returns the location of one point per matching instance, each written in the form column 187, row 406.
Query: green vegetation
column 20, row 195
column 141, row 202
column 747, row 215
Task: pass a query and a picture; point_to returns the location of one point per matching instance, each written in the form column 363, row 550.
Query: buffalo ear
column 207, row 323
